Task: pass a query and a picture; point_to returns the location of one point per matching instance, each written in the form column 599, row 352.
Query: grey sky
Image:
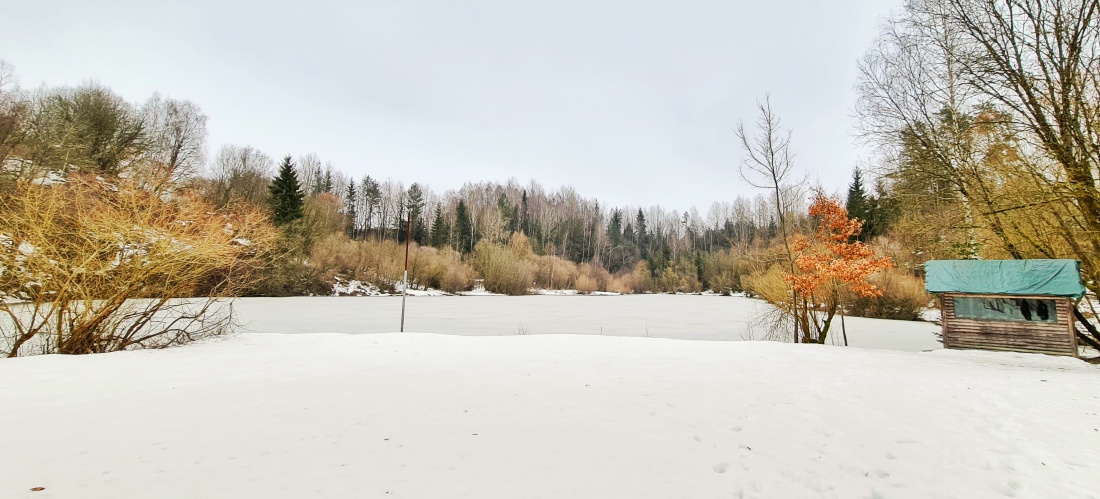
column 631, row 102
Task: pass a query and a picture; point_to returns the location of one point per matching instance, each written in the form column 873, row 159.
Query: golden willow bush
column 382, row 263
column 513, row 268
column 89, row 265
column 503, row 270
column 903, row 297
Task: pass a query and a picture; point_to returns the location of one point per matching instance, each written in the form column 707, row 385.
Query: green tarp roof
column 1005, row 277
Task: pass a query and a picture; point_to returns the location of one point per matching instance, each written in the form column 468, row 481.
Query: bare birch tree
column 769, row 165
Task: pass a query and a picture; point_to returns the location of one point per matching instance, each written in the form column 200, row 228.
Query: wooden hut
column 1018, row 305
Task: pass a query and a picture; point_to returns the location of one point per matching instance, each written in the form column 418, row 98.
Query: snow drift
column 421, row 415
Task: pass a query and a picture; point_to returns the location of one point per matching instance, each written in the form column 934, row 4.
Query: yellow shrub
column 641, row 279
column 382, row 263
column 722, row 271
column 552, row 272
column 903, row 297
column 585, row 284
column 622, row 284
column 769, row 285
column 503, row 271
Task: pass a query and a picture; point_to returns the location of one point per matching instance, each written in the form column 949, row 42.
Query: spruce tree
column 523, row 216
column 464, row 230
column 861, row 206
column 350, row 212
column 286, row 194
column 441, row 232
column 857, row 197
column 414, row 203
column 615, row 228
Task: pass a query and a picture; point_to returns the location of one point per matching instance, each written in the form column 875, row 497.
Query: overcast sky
column 631, row 102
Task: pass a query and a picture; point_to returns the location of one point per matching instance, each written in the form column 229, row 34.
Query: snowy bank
column 420, row 415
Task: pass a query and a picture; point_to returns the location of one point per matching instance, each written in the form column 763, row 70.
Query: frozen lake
column 694, row 317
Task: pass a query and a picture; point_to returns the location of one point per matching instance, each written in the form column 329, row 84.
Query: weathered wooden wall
column 1054, row 338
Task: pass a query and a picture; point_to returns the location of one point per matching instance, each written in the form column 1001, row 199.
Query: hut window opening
column 1005, row 309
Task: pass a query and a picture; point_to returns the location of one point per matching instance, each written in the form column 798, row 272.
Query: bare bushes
column 586, row 284
column 679, row 277
column 88, row 266
column 623, row 284
column 440, row 269
column 770, row 285
column 502, row 269
column 382, row 263
column 722, row 271
column 376, row 262
column 553, row 272
column 903, row 297
column 640, row 279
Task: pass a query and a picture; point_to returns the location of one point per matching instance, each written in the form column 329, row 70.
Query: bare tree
column 14, row 109
column 1040, row 60
column 913, row 101
column 992, row 94
column 769, row 165
column 240, row 174
column 310, row 172
column 176, row 137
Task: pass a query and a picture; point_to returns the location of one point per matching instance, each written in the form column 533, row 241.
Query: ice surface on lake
column 660, row 316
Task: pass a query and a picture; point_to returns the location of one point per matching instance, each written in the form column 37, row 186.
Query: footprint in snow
column 721, row 467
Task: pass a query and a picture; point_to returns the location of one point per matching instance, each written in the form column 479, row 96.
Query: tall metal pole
column 405, row 290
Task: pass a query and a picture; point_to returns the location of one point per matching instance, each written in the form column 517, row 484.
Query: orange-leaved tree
column 827, row 264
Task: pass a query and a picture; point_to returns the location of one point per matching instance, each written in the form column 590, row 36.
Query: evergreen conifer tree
column 523, row 216
column 464, row 230
column 286, row 194
column 615, row 228
column 350, row 212
column 414, row 203
column 641, row 235
column 441, row 231
column 861, row 206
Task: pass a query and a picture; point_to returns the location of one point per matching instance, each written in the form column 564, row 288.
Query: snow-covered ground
column 695, row 317
column 424, row 416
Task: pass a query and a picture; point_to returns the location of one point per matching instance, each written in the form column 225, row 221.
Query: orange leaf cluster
column 830, row 258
